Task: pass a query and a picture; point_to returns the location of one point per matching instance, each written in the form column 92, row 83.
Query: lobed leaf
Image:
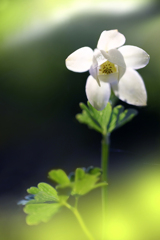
column 114, row 117
column 86, row 119
column 101, row 184
column 102, row 117
column 127, row 116
column 85, row 185
column 119, row 117
column 98, row 120
column 82, row 182
column 40, row 212
column 45, row 193
column 44, row 201
column 93, row 170
column 33, row 190
column 107, row 120
column 79, row 174
column 59, row 176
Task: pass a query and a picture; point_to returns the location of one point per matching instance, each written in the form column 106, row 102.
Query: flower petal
column 109, row 78
column 131, row 88
column 98, row 58
column 121, row 72
column 115, row 57
column 97, row 96
column 80, row 60
column 110, row 39
column 134, row 57
column 93, row 72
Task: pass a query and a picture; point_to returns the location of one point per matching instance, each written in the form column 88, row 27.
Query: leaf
column 59, row 176
column 64, row 190
column 80, row 173
column 98, row 120
column 114, row 117
column 85, row 108
column 46, row 203
column 45, row 193
column 48, row 189
column 82, row 182
column 33, row 190
column 93, row 170
column 101, row 184
column 103, row 116
column 107, row 120
column 127, row 116
column 40, row 212
column 65, row 185
column 86, row 119
column 119, row 117
column 85, row 184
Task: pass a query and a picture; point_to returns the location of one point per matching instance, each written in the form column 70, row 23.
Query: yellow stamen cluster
column 107, row 68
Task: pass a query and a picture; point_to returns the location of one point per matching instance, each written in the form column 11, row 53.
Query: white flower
column 111, row 65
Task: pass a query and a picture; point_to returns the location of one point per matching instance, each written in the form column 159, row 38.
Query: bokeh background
column 39, row 99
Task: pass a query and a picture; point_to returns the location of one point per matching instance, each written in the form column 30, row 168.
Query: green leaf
column 40, row 212
column 103, row 116
column 101, row 184
column 98, row 120
column 119, row 117
column 85, row 108
column 86, row 119
column 64, row 190
column 107, row 120
column 127, row 116
column 93, row 170
column 114, row 117
column 45, row 193
column 85, row 184
column 59, row 176
column 48, row 189
column 46, row 203
column 33, row 190
column 82, row 182
column 80, row 173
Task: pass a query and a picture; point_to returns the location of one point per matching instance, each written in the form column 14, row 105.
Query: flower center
column 107, row 68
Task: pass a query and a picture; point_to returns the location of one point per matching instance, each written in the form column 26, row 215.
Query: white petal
column 97, row 96
column 121, row 72
column 115, row 57
column 80, row 60
column 110, row 39
column 109, row 78
column 93, row 72
column 131, row 88
column 98, row 58
column 134, row 57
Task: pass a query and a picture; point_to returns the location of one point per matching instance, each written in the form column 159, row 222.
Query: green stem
column 104, row 166
column 76, row 202
column 80, row 220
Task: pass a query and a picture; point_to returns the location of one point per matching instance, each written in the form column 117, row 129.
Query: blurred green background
column 39, row 99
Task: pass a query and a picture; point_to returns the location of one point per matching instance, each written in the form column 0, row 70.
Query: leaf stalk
column 80, row 220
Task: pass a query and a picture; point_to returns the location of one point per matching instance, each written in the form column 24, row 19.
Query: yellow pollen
column 107, row 68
